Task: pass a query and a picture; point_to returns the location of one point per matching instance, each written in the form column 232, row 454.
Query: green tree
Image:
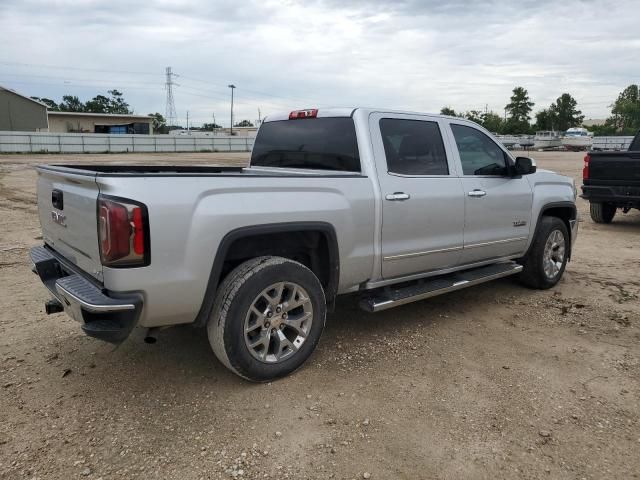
column 114, row 103
column 519, row 111
column 210, row 127
column 117, row 103
column 564, row 113
column 489, row 120
column 625, row 111
column 51, row 105
column 98, row 104
column 159, row 123
column 71, row 103
column 474, row 116
column 544, row 120
column 602, row 130
column 492, row 122
column 244, row 123
column 448, row 111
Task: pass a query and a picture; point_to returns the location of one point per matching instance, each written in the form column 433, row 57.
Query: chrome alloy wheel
column 554, row 252
column 278, row 322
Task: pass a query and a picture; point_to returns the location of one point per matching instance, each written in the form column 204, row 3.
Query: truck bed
column 611, row 180
column 189, row 171
column 607, row 168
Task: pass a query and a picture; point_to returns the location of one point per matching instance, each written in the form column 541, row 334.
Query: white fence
column 43, row 142
column 599, row 143
column 611, row 143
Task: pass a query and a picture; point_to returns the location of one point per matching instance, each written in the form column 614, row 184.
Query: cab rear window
column 314, row 143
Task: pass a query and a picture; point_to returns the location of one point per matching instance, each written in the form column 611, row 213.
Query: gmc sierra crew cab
column 611, row 181
column 390, row 206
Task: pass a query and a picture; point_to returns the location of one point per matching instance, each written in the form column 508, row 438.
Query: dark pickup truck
column 611, row 181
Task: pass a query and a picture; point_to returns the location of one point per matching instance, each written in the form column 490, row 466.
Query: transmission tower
column 170, row 113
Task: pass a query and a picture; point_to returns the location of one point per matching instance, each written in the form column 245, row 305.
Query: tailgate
column 68, row 216
column 620, row 166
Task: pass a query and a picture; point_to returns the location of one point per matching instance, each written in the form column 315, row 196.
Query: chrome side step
column 389, row 297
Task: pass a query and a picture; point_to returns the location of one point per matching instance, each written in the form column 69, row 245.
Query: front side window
column 413, row 147
column 479, row 154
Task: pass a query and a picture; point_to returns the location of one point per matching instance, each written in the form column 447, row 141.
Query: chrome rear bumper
column 104, row 315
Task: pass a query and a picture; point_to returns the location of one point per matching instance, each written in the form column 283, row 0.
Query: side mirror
column 525, row 166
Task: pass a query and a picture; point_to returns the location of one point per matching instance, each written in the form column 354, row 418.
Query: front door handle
column 477, row 193
column 397, row 196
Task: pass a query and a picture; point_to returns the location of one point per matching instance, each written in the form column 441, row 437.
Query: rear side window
column 413, row 147
column 315, row 143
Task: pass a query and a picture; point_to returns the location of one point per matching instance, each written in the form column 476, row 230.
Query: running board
column 389, row 297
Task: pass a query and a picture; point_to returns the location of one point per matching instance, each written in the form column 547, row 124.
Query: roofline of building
column 93, row 114
column 23, row 96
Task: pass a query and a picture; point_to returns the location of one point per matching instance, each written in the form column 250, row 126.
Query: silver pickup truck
column 392, row 206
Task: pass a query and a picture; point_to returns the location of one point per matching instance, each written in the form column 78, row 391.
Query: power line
column 66, row 68
column 251, row 91
column 60, row 67
column 86, row 85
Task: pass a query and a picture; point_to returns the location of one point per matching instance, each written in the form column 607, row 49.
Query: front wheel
column 602, row 212
column 547, row 258
column 267, row 319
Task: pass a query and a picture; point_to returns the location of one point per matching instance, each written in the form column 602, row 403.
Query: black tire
column 236, row 295
column 602, row 212
column 533, row 274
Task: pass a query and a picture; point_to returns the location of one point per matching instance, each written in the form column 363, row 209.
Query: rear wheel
column 548, row 255
column 602, row 212
column 267, row 318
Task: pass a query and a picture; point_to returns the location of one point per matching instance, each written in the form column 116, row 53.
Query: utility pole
column 187, row 122
column 259, row 117
column 214, row 123
column 232, row 87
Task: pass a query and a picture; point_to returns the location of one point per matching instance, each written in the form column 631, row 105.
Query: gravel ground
column 496, row 381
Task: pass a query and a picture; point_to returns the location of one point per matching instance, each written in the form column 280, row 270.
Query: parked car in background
column 392, row 206
column 611, row 181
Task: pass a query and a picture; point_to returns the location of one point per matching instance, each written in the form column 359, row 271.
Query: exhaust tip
column 151, row 336
column 53, row 306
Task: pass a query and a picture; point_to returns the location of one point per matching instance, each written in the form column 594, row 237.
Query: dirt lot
column 494, row 382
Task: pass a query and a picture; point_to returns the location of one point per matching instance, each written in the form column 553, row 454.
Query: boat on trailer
column 577, row 139
column 545, row 139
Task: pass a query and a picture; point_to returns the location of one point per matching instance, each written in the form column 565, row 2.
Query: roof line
column 97, row 114
column 23, row 96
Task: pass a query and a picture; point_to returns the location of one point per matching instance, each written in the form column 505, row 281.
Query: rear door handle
column 397, row 196
column 477, row 193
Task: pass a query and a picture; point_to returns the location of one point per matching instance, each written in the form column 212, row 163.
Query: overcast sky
column 281, row 55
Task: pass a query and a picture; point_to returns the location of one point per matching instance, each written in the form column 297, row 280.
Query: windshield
column 314, row 143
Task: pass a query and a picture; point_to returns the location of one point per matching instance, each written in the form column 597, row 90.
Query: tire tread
column 602, row 213
column 227, row 292
column 532, row 274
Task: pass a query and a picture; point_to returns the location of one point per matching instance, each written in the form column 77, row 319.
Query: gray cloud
column 412, row 54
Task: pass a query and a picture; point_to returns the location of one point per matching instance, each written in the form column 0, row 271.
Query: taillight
column 585, row 168
column 123, row 231
column 310, row 113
